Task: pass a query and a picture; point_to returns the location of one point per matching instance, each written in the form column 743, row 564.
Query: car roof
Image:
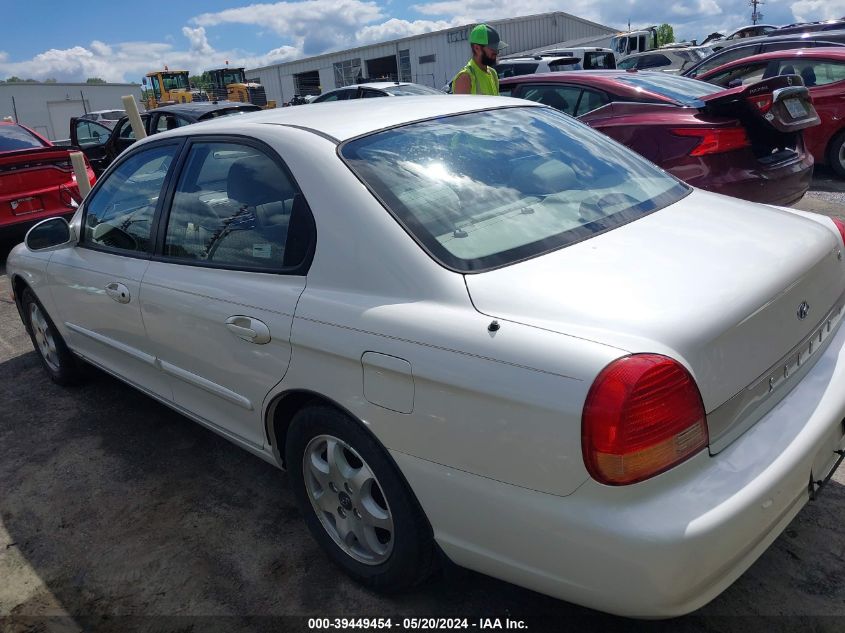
column 822, row 52
column 342, row 120
column 198, row 108
column 383, row 84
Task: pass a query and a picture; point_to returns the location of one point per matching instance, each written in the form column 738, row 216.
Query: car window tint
column 14, row 137
column 505, row 91
column 723, row 57
column 679, row 89
column 590, row 100
column 654, row 61
column 89, row 134
column 490, row 188
column 119, row 214
column 743, row 75
column 563, row 98
column 814, row 72
column 628, row 62
column 236, row 207
column 372, row 94
column 170, row 122
column 506, row 69
column 126, row 130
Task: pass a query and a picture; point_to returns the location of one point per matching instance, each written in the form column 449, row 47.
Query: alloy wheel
column 348, row 499
column 44, row 337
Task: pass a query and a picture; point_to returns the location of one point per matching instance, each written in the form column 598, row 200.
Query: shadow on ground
column 125, row 508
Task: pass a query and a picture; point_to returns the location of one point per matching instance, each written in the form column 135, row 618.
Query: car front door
column 218, row 298
column 91, row 138
column 96, row 285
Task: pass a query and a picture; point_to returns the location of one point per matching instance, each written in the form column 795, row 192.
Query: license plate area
column 796, row 108
column 24, row 206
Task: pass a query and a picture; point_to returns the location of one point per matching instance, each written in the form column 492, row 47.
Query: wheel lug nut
column 357, row 514
column 332, row 487
column 348, row 488
column 341, row 512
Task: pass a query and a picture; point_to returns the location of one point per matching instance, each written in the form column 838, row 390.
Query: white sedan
column 469, row 324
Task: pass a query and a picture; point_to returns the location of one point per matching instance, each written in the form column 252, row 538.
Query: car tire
column 58, row 361
column 357, row 504
column 836, row 154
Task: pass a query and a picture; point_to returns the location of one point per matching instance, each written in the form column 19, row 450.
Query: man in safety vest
column 478, row 77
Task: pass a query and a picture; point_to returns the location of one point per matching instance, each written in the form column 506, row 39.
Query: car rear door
column 219, row 296
column 96, row 285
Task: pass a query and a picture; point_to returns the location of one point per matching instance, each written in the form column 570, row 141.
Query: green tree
column 14, row 79
column 95, row 80
column 50, row 81
column 665, row 34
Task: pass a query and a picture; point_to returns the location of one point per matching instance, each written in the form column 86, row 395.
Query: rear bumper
column 722, row 173
column 661, row 548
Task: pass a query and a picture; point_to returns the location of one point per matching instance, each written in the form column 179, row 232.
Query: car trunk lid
column 773, row 113
column 711, row 281
column 31, row 180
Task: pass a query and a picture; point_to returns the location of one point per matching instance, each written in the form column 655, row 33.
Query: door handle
column 249, row 329
column 118, row 292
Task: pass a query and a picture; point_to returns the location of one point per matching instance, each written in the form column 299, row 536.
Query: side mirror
column 48, row 234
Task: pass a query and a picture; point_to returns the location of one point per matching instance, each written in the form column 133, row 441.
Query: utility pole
column 756, row 16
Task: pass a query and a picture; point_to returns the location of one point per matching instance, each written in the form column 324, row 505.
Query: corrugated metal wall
column 450, row 49
column 47, row 108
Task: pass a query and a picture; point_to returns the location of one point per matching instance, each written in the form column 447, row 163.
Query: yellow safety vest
column 482, row 83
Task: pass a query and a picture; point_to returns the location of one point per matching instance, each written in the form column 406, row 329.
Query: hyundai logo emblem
column 803, row 310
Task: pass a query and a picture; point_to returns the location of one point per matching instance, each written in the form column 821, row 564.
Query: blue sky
column 59, row 40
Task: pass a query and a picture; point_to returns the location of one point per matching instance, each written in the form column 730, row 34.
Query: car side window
column 371, row 94
column 119, row 214
column 591, row 100
column 90, row 134
column 743, row 75
column 724, row 57
column 629, row 62
column 126, row 131
column 563, row 98
column 816, row 72
column 236, row 207
column 170, row 122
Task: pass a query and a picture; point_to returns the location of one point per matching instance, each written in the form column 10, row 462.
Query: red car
column 36, row 178
column 823, row 72
column 743, row 142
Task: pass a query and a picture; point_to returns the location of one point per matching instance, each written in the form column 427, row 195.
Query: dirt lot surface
column 118, row 514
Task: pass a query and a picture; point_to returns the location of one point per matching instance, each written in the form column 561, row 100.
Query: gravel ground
column 118, row 514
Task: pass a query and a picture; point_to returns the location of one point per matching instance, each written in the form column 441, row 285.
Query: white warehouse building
column 48, row 107
column 431, row 59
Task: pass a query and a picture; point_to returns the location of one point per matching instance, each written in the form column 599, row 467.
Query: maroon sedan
column 36, row 178
column 823, row 72
column 743, row 142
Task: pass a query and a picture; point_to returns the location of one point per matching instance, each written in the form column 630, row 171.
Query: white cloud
column 806, row 10
column 198, row 40
column 394, row 29
column 99, row 48
column 4, row 56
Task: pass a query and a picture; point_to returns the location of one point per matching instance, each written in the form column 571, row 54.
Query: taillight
column 762, row 102
column 715, row 140
column 643, row 415
column 841, row 226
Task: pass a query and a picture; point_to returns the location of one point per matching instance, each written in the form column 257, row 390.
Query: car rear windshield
column 490, row 188
column 410, row 91
column 514, row 69
column 14, row 137
column 681, row 90
column 604, row 61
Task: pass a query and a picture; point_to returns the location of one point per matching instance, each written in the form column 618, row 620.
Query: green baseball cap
column 486, row 36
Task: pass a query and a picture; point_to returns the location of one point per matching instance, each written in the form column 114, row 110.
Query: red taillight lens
column 762, row 102
column 643, row 415
column 715, row 140
column 841, row 226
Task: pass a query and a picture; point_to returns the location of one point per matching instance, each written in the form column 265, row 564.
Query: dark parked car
column 759, row 45
column 102, row 145
column 810, row 27
column 823, row 72
column 36, row 178
column 743, row 142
